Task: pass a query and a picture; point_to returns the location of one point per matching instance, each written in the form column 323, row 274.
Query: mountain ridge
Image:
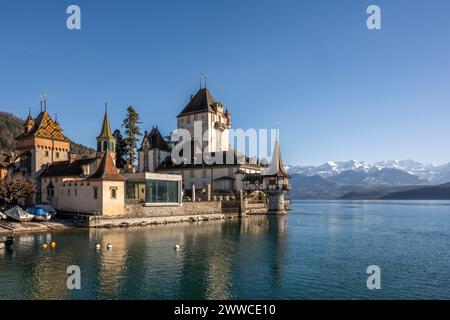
column 360, row 180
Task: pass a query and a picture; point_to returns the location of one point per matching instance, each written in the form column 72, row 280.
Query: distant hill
column 376, row 193
column 441, row 192
column 12, row 126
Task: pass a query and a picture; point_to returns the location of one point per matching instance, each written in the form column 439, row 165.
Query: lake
column 321, row 250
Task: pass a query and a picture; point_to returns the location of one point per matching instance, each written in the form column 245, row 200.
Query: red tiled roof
column 107, row 170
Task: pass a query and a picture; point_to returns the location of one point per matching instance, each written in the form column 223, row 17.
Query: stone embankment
column 12, row 227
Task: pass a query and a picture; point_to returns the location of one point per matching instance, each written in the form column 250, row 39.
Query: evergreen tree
column 121, row 149
column 132, row 131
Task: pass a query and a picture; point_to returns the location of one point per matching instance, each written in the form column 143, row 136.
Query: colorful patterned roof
column 44, row 127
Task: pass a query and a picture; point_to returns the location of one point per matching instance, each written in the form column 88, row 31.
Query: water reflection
column 215, row 260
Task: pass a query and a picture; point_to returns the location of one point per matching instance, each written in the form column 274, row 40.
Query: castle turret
column 276, row 180
column 106, row 140
column 29, row 123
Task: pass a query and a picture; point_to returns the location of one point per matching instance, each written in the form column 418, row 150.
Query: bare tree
column 15, row 187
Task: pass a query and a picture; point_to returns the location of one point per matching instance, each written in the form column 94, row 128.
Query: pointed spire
column 29, row 115
column 106, row 128
column 276, row 165
column 45, row 102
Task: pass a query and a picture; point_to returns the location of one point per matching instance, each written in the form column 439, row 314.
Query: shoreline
column 8, row 227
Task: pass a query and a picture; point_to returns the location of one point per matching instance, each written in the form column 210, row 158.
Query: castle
column 94, row 185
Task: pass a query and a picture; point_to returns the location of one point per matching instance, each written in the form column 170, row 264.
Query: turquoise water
column 321, row 250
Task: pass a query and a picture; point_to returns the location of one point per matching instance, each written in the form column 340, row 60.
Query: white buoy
column 177, row 247
column 109, row 246
column 98, row 246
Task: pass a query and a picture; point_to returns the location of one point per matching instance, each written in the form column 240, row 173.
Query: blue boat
column 36, row 211
column 39, row 214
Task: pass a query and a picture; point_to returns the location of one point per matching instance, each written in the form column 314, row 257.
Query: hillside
column 441, row 192
column 12, row 126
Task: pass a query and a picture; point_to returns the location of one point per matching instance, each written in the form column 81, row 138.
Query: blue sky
column 337, row 90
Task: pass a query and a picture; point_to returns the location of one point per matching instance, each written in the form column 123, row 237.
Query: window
column 95, row 193
column 113, row 193
column 146, row 161
column 46, row 153
column 189, row 119
column 50, row 193
column 57, row 155
column 191, row 174
column 161, row 191
column 76, row 192
column 99, row 146
column 68, row 192
column 105, row 146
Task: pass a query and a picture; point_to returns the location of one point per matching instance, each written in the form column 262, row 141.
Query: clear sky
column 338, row 90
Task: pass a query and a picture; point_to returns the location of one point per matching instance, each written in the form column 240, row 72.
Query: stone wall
column 138, row 215
column 186, row 209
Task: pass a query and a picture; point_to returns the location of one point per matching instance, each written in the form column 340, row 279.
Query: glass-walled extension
column 153, row 189
column 161, row 191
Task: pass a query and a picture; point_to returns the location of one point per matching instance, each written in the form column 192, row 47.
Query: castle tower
column 105, row 140
column 204, row 110
column 41, row 143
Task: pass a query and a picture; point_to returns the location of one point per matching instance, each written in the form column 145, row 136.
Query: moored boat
column 39, row 214
column 18, row 214
column 52, row 211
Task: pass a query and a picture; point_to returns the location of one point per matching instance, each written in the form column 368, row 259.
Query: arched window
column 99, row 146
column 112, row 146
column 105, row 146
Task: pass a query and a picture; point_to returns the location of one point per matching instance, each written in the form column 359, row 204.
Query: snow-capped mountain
column 426, row 173
column 330, row 168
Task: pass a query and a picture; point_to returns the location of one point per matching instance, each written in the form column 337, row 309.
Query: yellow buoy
column 45, row 246
column 53, row 244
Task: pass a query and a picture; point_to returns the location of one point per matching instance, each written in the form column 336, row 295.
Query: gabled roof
column 107, row 170
column 202, row 101
column 67, row 168
column 44, row 127
column 106, row 128
column 155, row 140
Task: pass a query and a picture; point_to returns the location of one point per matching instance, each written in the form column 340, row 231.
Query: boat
column 52, row 211
column 18, row 214
column 39, row 214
